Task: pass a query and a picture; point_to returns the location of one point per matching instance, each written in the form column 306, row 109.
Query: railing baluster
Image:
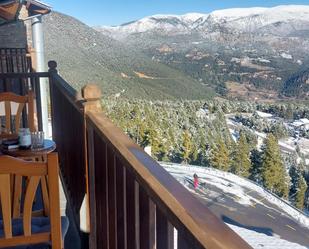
column 147, row 213
column 132, row 214
column 121, row 205
column 182, row 243
column 112, row 207
column 186, row 240
column 101, row 179
column 165, row 231
column 92, row 190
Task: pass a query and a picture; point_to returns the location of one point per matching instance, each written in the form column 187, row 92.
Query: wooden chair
column 10, row 129
column 29, row 230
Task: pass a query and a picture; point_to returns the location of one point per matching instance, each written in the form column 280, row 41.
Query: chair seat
column 38, row 225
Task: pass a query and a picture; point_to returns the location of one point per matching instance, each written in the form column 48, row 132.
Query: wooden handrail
column 23, row 75
column 184, row 210
column 67, row 90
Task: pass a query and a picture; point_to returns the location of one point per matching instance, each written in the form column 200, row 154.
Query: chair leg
column 45, row 196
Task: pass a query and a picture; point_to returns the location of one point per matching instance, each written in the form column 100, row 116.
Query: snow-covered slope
column 259, row 240
column 218, row 187
column 242, row 19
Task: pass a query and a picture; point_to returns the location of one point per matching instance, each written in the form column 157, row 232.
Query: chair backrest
column 11, row 102
column 33, row 172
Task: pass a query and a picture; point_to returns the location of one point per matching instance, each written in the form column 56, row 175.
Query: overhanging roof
column 9, row 9
column 37, row 7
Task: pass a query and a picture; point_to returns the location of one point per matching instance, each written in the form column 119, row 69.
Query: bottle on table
column 24, row 138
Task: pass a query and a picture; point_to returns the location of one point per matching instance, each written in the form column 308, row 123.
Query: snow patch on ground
column 286, row 56
column 260, row 240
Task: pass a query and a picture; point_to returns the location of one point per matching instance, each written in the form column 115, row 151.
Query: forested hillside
column 84, row 55
column 196, row 132
column 297, row 85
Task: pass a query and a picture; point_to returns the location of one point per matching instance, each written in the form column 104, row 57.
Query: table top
column 49, row 146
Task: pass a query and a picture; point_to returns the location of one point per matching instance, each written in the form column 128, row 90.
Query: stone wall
column 13, row 35
column 16, row 34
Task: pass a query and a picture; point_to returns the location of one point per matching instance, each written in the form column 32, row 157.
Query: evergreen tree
column 300, row 193
column 220, row 158
column 298, row 186
column 256, row 166
column 273, row 172
column 289, row 113
column 186, row 146
column 295, row 174
column 154, row 142
column 241, row 161
column 306, row 202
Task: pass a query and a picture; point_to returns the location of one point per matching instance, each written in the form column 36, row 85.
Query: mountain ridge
column 189, row 22
column 259, row 48
column 95, row 58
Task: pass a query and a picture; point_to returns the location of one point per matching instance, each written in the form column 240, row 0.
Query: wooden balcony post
column 52, row 67
column 91, row 95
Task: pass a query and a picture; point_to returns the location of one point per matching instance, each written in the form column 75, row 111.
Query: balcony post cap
column 52, row 65
column 91, row 92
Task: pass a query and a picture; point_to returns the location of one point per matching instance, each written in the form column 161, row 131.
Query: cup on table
column 37, row 139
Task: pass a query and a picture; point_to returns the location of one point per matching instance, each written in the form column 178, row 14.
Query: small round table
column 49, row 146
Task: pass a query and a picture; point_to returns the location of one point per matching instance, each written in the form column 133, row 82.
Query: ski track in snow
column 232, row 184
column 222, row 180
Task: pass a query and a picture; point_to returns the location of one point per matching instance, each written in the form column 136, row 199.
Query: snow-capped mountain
column 287, row 18
column 254, row 47
column 162, row 23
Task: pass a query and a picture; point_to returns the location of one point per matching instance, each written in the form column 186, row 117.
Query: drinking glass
column 37, row 139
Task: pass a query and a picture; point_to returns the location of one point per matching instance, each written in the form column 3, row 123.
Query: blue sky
column 115, row 12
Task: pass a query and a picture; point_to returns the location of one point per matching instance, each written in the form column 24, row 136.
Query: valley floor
column 262, row 219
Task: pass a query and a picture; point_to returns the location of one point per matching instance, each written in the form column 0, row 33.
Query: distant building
column 264, row 114
column 202, row 113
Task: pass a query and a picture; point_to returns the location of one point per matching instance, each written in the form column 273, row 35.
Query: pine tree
column 289, row 113
column 220, row 158
column 306, row 202
column 273, row 172
column 154, row 142
column 298, row 186
column 241, row 161
column 256, row 166
column 186, row 146
column 300, row 193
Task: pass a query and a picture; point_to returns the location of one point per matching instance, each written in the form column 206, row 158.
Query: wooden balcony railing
column 134, row 202
column 20, row 83
column 14, row 60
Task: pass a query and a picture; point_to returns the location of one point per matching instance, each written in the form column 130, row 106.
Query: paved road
column 263, row 217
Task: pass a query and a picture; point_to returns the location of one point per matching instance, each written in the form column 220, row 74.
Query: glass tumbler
column 37, row 139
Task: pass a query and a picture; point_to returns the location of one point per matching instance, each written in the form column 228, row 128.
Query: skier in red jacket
column 195, row 180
